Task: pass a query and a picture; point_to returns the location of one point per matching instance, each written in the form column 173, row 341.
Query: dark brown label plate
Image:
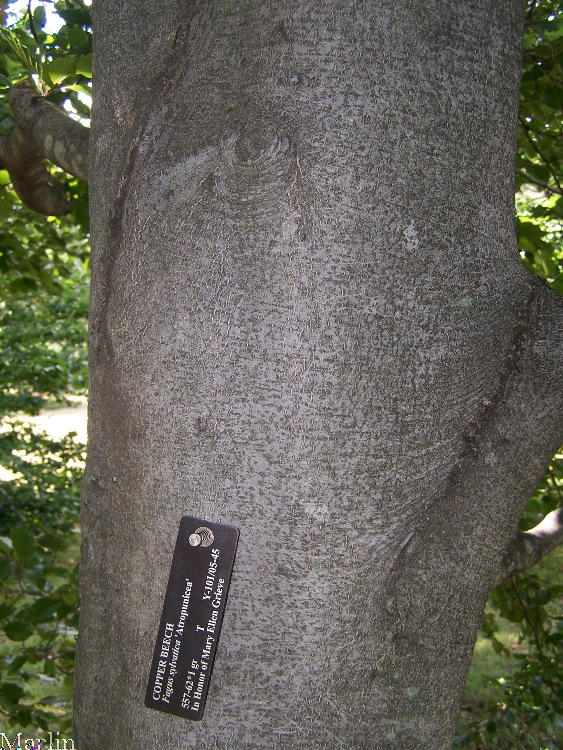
column 193, row 610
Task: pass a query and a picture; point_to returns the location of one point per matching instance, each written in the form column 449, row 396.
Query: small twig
column 539, row 62
column 527, row 616
column 532, row 6
column 539, row 153
column 558, row 488
column 32, row 23
column 539, row 183
column 545, row 134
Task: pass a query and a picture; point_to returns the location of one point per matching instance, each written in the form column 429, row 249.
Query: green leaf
column 40, row 16
column 79, row 106
column 6, row 205
column 80, row 87
column 5, row 611
column 34, row 578
column 24, row 543
column 22, row 285
column 80, row 41
column 6, row 544
column 84, row 66
column 17, row 663
column 552, row 96
column 50, row 668
column 28, row 60
column 7, row 569
column 543, row 596
column 24, row 717
column 58, row 70
column 18, row 631
column 68, row 683
column 53, row 542
column 11, row 691
column 42, row 610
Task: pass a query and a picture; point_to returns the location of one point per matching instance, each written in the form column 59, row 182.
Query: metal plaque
column 193, row 610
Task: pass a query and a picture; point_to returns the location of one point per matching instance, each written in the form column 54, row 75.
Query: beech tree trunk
column 309, row 320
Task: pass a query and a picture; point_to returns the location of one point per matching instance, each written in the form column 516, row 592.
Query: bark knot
column 259, row 163
column 258, row 144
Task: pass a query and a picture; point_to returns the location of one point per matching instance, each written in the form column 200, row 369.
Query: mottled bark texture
column 42, row 131
column 309, row 320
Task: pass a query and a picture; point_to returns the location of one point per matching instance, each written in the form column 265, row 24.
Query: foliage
column 36, row 252
column 39, row 615
column 43, row 316
column 533, row 691
column 45, row 488
column 38, row 575
column 539, row 200
column 43, row 338
column 59, row 63
column 60, row 66
column 548, row 495
column 529, row 714
column 44, row 260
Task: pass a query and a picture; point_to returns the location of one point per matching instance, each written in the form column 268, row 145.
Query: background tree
column 538, row 177
column 540, row 223
column 308, row 320
column 44, row 279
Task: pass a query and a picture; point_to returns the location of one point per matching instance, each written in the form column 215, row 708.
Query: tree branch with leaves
column 42, row 131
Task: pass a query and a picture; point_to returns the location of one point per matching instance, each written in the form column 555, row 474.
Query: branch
column 31, row 22
column 546, row 161
column 42, row 131
column 528, row 547
column 539, row 183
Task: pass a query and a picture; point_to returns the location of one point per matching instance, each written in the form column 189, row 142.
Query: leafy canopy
column 539, row 176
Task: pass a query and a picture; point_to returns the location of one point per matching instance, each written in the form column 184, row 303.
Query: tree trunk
column 309, row 320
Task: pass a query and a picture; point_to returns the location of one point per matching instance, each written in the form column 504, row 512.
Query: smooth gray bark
column 308, row 320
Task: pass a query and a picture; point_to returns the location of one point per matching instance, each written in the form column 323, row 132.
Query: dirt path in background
column 59, row 422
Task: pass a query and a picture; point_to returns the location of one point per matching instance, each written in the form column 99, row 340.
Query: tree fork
column 64, row 142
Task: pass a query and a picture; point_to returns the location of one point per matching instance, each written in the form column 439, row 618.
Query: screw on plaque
column 201, row 537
